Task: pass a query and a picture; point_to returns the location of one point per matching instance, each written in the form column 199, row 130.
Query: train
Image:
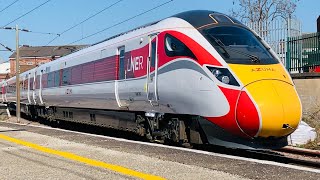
column 197, row 77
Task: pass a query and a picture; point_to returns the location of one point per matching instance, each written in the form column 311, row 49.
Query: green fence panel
column 303, row 53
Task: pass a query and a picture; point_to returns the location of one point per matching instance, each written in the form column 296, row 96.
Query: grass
column 313, row 120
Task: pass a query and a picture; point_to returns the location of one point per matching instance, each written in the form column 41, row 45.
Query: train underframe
column 185, row 130
column 156, row 127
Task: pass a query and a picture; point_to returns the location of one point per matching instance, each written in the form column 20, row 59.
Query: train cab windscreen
column 238, row 45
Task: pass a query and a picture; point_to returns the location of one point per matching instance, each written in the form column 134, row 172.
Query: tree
column 263, row 11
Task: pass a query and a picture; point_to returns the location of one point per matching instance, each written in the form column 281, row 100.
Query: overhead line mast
column 17, row 76
column 24, row 30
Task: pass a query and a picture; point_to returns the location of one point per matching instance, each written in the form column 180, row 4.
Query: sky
column 56, row 16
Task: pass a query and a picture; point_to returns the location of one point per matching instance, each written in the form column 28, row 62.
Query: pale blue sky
column 58, row 15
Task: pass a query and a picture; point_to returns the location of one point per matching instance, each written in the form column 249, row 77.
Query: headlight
column 225, row 79
column 223, row 75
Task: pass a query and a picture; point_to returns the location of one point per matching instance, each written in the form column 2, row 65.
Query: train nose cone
column 279, row 107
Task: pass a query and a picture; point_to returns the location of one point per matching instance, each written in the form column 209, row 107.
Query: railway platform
column 30, row 150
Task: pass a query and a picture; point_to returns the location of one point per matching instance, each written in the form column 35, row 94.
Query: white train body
column 162, row 68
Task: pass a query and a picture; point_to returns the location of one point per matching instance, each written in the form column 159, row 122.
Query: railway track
column 289, row 158
column 287, row 155
column 301, row 156
column 300, row 151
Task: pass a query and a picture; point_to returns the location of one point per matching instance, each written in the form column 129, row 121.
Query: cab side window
column 174, row 47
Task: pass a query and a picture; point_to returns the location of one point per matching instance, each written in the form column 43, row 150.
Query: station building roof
column 47, row 51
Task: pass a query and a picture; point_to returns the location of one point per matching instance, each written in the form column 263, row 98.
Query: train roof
column 201, row 18
column 115, row 36
column 196, row 18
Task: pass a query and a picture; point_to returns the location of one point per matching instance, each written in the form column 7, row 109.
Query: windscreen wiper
column 254, row 59
column 220, row 44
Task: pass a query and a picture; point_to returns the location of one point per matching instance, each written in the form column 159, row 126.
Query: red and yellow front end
column 263, row 107
column 263, row 103
column 277, row 108
column 263, row 111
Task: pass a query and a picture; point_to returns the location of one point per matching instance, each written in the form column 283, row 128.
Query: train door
column 6, row 90
column 25, row 87
column 3, row 90
column 29, row 90
column 40, row 87
column 34, row 94
column 120, row 83
column 22, row 89
column 152, row 70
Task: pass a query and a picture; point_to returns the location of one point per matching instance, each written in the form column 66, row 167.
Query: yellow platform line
column 74, row 157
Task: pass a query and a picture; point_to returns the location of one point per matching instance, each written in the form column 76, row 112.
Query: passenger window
column 175, row 47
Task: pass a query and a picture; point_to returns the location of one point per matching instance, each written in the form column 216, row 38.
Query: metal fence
column 276, row 34
column 303, row 53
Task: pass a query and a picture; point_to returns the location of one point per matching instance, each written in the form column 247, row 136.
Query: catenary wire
column 23, row 30
column 98, row 32
column 29, row 31
column 37, row 7
column 118, row 23
column 44, row 33
column 27, row 13
column 6, row 47
column 88, row 18
column 9, row 5
column 156, row 7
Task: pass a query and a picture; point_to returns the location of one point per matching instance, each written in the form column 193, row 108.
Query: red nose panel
column 247, row 115
column 228, row 122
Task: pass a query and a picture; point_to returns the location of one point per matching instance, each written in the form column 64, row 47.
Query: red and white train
column 196, row 77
